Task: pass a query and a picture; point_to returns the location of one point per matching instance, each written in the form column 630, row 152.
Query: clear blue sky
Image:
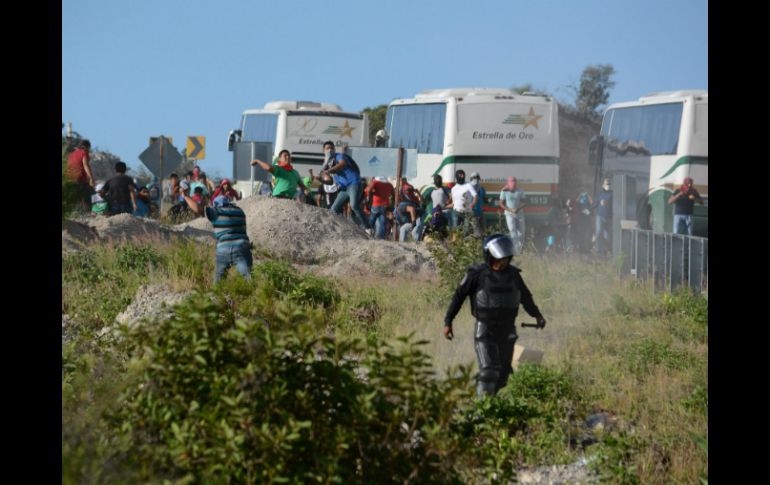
column 140, row 68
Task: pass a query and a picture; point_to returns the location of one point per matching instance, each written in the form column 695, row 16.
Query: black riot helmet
column 497, row 246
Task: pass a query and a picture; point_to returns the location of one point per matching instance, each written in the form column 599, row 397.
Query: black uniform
column 495, row 297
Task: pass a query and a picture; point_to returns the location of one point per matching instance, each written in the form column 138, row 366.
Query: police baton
column 531, row 325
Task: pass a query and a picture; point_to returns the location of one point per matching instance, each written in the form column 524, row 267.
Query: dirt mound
column 309, row 235
column 75, row 235
column 125, row 227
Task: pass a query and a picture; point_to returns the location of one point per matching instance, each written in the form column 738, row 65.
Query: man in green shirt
column 286, row 178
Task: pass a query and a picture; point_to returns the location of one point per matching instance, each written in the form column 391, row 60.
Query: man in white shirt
column 512, row 202
column 462, row 206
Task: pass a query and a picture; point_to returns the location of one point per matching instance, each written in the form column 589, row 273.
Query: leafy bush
column 616, row 458
column 138, row 257
column 223, row 398
column 453, row 257
column 530, row 421
column 280, row 277
column 83, row 267
column 687, row 304
column 698, row 400
column 645, row 355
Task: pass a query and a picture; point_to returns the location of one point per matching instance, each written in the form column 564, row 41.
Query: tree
column 594, row 90
column 376, row 117
column 529, row 88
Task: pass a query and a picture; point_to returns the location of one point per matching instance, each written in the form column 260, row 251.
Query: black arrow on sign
column 198, row 148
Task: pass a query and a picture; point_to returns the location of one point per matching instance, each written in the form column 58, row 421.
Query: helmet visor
column 501, row 247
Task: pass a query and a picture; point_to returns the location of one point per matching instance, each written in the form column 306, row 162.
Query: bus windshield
column 642, row 130
column 419, row 126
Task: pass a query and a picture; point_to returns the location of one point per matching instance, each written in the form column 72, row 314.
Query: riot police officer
column 496, row 289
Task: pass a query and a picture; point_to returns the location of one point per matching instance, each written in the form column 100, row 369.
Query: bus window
column 419, row 126
column 259, row 127
column 643, row 130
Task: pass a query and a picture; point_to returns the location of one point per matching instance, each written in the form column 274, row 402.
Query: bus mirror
column 233, row 138
column 595, row 150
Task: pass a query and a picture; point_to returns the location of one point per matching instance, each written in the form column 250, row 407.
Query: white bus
column 495, row 132
column 655, row 143
column 300, row 127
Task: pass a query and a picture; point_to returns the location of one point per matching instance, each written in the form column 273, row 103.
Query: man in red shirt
column 381, row 191
column 79, row 172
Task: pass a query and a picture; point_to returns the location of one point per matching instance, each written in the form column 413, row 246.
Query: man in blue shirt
column 233, row 246
column 348, row 179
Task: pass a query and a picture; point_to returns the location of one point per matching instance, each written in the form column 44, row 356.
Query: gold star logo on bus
column 526, row 120
column 345, row 130
column 532, row 118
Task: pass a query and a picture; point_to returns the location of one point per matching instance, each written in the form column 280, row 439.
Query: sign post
column 160, row 157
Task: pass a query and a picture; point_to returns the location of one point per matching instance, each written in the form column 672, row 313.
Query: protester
column 462, row 211
column 478, row 207
column 496, row 289
column 227, row 190
column 381, row 191
column 583, row 229
column 287, row 179
column 79, row 172
column 99, row 206
column 603, row 206
column 438, row 224
column 684, row 199
column 512, row 202
column 119, row 192
column 347, row 177
column 233, row 246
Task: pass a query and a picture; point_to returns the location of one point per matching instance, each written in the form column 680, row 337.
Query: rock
column 151, row 302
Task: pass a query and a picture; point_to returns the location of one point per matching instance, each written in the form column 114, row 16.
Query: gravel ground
column 575, row 473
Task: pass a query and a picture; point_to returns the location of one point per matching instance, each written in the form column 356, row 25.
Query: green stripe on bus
column 686, row 161
column 501, row 160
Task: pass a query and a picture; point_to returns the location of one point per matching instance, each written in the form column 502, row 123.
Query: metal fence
column 666, row 261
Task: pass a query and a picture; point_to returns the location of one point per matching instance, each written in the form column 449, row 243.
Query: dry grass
column 615, row 333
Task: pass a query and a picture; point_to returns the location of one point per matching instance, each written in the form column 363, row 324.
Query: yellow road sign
column 196, row 147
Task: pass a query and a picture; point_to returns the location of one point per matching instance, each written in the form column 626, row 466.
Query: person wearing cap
column 226, row 189
column 512, row 202
column 684, row 199
column 496, row 289
column 381, row 191
column 233, row 246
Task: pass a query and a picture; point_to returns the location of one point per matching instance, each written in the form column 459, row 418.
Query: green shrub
column 283, row 279
column 453, row 259
column 223, row 398
column 615, row 458
column 648, row 353
column 698, row 400
column 687, row 304
column 531, row 421
column 138, row 257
